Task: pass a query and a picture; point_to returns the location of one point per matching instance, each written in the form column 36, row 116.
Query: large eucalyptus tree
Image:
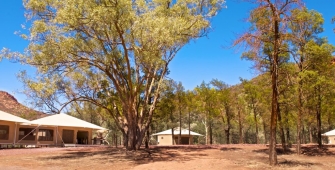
column 112, row 53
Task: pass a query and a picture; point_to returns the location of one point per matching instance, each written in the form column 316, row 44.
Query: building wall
column 331, row 140
column 19, row 141
column 75, row 129
column 57, row 134
column 54, row 141
column 164, row 140
column 167, row 139
column 11, row 131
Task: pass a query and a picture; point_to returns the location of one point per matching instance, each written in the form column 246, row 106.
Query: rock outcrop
column 9, row 104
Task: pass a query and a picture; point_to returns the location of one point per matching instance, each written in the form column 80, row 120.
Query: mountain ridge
column 9, row 104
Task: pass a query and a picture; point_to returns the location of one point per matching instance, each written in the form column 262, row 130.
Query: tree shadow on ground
column 308, row 150
column 316, row 151
column 292, row 163
column 142, row 156
column 230, row 149
column 280, row 151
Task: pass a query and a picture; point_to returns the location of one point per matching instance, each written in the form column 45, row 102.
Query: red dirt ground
column 195, row 157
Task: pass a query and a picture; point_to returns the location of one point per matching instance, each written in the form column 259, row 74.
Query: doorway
column 82, row 137
column 68, row 136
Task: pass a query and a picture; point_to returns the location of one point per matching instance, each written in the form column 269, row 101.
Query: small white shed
column 331, row 136
column 166, row 138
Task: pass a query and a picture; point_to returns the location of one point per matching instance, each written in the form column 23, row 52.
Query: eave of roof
column 12, row 118
column 176, row 132
column 65, row 120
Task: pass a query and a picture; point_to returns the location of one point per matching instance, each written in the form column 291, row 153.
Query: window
column 162, row 137
column 27, row 134
column 45, row 135
column 4, row 131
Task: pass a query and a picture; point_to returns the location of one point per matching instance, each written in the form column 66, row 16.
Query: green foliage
column 113, row 54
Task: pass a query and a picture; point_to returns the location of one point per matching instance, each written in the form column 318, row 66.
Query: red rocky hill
column 9, row 104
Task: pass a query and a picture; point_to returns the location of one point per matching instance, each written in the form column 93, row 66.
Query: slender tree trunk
column 256, row 123
column 318, row 115
column 210, row 133
column 310, row 134
column 288, row 139
column 179, row 137
column 228, row 124
column 265, row 135
column 299, row 117
column 189, row 128
column 206, row 130
column 115, row 140
column 146, row 142
column 282, row 133
column 224, row 127
column 303, row 136
column 240, row 125
column 227, row 135
column 147, row 139
column 172, row 129
column 274, row 104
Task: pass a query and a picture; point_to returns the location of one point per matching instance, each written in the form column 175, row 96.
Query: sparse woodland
column 109, row 61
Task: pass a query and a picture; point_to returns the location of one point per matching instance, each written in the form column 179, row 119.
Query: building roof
column 176, row 132
column 9, row 117
column 65, row 120
column 330, row 133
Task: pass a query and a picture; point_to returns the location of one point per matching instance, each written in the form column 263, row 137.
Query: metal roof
column 176, row 132
column 330, row 133
column 12, row 118
column 65, row 120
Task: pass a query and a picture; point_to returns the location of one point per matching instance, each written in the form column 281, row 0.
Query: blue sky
column 202, row 60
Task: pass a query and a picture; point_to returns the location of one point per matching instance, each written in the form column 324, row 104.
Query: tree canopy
column 114, row 54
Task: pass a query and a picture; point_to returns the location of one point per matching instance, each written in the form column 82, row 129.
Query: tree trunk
column 227, row 135
column 228, row 124
column 265, row 135
column 206, row 130
column 274, row 104
column 133, row 135
column 172, row 136
column 115, row 139
column 189, row 128
column 288, row 139
column 179, row 137
column 210, row 133
column 256, row 124
column 240, row 124
column 310, row 134
column 303, row 137
column 147, row 138
column 299, row 118
column 318, row 115
column 282, row 134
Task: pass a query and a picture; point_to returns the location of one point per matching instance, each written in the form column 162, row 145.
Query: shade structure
column 65, row 120
column 12, row 118
column 176, row 132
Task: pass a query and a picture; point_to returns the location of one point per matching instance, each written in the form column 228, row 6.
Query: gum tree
column 304, row 26
column 111, row 53
column 266, row 43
